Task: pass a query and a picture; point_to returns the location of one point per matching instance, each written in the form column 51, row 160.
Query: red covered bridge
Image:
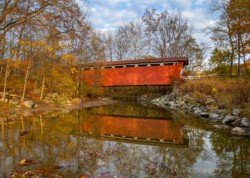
column 156, row 71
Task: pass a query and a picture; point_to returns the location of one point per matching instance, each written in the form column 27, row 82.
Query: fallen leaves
column 26, row 162
column 34, row 174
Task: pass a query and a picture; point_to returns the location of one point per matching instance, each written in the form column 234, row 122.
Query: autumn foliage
column 227, row 92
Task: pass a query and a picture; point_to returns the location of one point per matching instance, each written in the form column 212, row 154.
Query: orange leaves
column 16, row 64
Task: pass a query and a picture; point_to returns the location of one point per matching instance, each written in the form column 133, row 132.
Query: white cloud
column 108, row 14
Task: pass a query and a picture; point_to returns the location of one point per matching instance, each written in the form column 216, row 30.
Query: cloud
column 109, row 14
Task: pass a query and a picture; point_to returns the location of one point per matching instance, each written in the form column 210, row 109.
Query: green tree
column 220, row 61
column 231, row 31
column 239, row 14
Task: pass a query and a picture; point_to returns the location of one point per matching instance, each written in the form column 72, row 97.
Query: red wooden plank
column 132, row 76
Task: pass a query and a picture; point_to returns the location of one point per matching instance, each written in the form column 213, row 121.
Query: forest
column 43, row 44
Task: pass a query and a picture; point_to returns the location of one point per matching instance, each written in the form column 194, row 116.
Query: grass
column 228, row 93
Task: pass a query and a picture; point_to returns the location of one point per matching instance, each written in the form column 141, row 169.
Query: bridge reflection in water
column 134, row 127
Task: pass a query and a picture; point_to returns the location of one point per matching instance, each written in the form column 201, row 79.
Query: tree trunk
column 238, row 71
column 244, row 54
column 78, row 82
column 42, row 90
column 5, row 78
column 231, row 62
column 245, row 64
column 26, row 80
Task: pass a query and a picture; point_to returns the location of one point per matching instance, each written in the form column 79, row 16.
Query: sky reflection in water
column 123, row 140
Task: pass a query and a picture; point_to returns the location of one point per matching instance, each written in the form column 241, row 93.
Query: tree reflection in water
column 57, row 139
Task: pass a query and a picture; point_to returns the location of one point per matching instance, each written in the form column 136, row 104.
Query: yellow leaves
column 50, row 49
column 214, row 90
column 73, row 70
column 40, row 44
column 69, row 58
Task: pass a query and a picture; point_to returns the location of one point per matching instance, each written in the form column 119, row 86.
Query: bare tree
column 109, row 45
column 139, row 44
column 168, row 32
column 121, row 44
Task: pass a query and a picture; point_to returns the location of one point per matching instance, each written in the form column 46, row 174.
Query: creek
column 121, row 140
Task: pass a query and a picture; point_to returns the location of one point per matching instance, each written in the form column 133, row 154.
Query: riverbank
column 226, row 103
column 31, row 107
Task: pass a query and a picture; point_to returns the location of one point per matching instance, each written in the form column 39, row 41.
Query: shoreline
column 222, row 119
column 47, row 108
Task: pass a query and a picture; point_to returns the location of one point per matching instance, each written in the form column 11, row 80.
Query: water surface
column 122, row 140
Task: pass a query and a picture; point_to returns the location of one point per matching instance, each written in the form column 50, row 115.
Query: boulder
column 204, row 114
column 209, row 101
column 213, row 116
column 237, row 122
column 29, row 104
column 236, row 112
column 229, row 119
column 241, row 131
column 222, row 127
column 245, row 122
column 220, row 111
column 197, row 111
column 171, row 104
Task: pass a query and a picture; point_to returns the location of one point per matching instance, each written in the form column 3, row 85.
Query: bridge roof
column 138, row 61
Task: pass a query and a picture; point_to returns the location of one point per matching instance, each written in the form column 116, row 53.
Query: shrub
column 227, row 92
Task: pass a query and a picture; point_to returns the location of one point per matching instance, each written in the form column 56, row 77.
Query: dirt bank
column 46, row 108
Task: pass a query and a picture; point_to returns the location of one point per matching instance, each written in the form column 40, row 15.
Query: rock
column 229, row 119
column 151, row 167
column 222, row 127
column 171, row 104
column 236, row 112
column 245, row 122
column 237, row 122
column 220, row 118
column 197, row 111
column 204, row 114
column 241, row 131
column 213, row 116
column 29, row 104
column 209, row 101
column 220, row 111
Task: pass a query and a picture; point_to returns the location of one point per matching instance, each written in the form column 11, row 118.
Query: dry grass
column 227, row 92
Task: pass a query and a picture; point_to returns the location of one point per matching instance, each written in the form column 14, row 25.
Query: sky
column 109, row 14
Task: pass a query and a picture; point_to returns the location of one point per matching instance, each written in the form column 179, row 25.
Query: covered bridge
column 154, row 71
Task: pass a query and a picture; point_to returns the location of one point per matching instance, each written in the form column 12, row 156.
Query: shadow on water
column 122, row 140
